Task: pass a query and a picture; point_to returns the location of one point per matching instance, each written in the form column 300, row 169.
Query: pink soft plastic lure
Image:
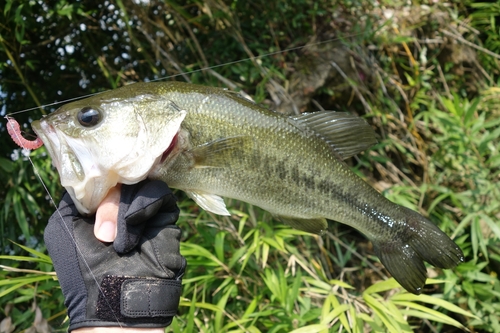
column 15, row 133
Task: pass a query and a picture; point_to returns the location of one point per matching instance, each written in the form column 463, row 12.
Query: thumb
column 106, row 216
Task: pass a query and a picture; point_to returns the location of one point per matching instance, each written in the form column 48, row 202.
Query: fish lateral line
column 14, row 130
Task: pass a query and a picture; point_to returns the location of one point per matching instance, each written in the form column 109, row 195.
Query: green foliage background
column 424, row 74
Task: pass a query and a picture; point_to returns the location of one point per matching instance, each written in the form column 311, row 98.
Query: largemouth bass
column 212, row 143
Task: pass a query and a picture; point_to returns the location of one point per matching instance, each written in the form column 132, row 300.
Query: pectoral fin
column 220, row 152
column 209, row 202
column 314, row 226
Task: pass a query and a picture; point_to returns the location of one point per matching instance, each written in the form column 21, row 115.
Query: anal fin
column 314, row 226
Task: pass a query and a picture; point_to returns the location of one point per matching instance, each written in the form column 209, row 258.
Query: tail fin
column 420, row 240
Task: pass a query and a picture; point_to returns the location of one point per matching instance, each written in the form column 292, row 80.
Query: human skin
column 107, row 215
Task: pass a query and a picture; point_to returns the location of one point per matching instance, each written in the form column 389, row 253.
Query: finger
column 140, row 207
column 147, row 201
column 166, row 242
column 107, row 215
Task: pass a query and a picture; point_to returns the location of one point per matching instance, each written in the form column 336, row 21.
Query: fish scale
column 212, row 143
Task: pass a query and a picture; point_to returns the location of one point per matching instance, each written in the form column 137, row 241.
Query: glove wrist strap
column 150, row 298
column 134, row 302
column 128, row 298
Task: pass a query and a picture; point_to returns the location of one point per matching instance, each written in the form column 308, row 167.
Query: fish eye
column 88, row 116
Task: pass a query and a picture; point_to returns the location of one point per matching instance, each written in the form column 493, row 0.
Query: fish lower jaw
column 88, row 198
column 47, row 134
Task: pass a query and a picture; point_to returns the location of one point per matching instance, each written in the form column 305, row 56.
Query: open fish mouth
column 47, row 134
column 76, row 171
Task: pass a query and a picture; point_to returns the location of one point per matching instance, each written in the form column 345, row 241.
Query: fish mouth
column 47, row 134
column 77, row 173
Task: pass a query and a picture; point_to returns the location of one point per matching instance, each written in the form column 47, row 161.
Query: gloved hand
column 134, row 281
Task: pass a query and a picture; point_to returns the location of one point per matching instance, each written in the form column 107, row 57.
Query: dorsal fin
column 347, row 134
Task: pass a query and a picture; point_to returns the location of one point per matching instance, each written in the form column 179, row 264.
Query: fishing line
column 200, row 70
column 50, row 104
column 61, row 219
column 256, row 57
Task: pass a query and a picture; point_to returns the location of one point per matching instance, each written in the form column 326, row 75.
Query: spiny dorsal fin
column 347, row 134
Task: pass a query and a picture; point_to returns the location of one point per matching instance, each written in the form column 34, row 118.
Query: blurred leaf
column 310, row 329
column 6, row 165
column 434, row 300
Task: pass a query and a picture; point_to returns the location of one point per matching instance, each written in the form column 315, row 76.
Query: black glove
column 133, row 282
